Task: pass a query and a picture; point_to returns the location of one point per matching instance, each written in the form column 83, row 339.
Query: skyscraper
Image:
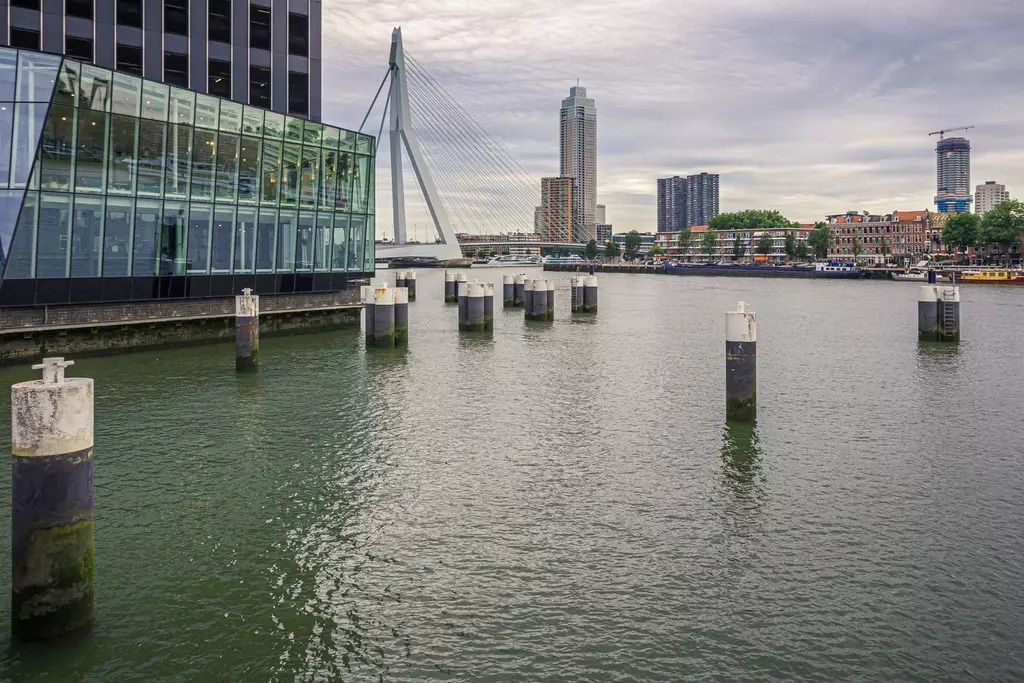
column 671, row 203
column 261, row 52
column 953, row 175
column 686, row 201
column 557, row 210
column 578, row 138
column 988, row 195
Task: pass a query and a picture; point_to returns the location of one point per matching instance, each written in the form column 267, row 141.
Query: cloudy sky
column 806, row 106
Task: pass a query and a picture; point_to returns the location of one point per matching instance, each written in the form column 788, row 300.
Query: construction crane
column 942, row 133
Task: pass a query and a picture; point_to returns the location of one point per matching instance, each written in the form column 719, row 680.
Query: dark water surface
column 563, row 502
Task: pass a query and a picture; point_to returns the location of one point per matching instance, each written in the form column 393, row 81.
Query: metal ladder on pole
column 948, row 312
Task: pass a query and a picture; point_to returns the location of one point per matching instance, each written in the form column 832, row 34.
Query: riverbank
column 880, row 273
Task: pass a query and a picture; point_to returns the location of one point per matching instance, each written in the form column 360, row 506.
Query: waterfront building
column 557, row 201
column 647, row 240
column 988, row 195
column 687, row 201
column 604, row 232
column 578, row 158
column 119, row 188
column 880, row 238
column 514, row 243
column 953, row 175
column 726, row 243
column 538, row 219
column 266, row 53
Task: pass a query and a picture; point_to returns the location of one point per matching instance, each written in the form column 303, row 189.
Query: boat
column 570, row 260
column 993, row 276
column 918, row 276
column 429, row 262
column 508, row 260
column 838, row 270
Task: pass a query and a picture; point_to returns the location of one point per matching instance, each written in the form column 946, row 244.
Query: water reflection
column 742, row 459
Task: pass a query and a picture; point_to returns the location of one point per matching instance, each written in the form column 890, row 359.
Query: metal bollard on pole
column 247, row 331
column 508, row 290
column 401, row 316
column 489, row 307
column 590, row 294
column 549, row 314
column 51, row 503
column 384, row 318
column 450, row 292
column 410, row 284
column 519, row 291
column 938, row 313
column 741, row 364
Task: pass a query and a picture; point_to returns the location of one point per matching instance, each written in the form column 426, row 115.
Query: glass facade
column 113, row 187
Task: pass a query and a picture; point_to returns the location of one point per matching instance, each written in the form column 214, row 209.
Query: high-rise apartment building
column 578, row 138
column 988, row 195
column 556, row 204
column 953, row 175
column 686, row 201
column 261, row 52
column 599, row 215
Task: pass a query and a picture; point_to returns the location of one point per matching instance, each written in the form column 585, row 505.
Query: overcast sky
column 806, row 106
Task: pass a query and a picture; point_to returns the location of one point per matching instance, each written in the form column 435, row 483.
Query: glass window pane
column 223, row 238
column 273, row 125
column 171, row 246
column 249, row 170
column 91, row 151
column 312, row 132
column 54, row 236
column 152, row 139
column 266, row 241
column 356, row 235
column 245, row 240
column 127, row 95
column 290, row 174
column 203, row 151
column 206, row 111
column 292, row 129
column 343, row 195
column 322, row 240
column 178, row 160
column 286, row 242
column 348, row 141
column 94, row 88
column 304, row 242
column 8, row 73
column 310, row 176
column 368, row 249
column 328, row 178
column 29, row 118
column 230, row 117
column 145, row 240
column 252, row 121
column 155, row 101
column 330, row 137
column 123, row 136
column 360, row 183
column 364, row 144
column 86, row 237
column 37, row 73
column 340, row 251
column 271, row 180
column 117, row 237
column 6, row 130
column 57, row 149
column 199, row 219
column 10, row 204
column 67, row 83
column 182, row 106
column 227, row 166
column 22, row 265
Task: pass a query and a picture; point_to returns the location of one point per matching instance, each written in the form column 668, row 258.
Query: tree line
column 1000, row 227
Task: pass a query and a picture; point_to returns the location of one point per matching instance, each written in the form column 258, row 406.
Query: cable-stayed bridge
column 468, row 181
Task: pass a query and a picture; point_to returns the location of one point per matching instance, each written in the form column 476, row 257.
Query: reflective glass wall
column 117, row 188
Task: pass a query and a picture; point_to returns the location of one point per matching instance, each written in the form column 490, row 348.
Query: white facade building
column 578, row 140
column 988, row 195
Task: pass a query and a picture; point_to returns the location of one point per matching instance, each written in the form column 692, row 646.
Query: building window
column 220, row 20
column 80, row 48
column 176, row 16
column 298, row 93
column 298, row 35
column 129, row 58
column 220, row 78
column 176, row 69
column 21, row 37
column 259, row 86
column 259, row 27
column 129, row 13
column 78, row 8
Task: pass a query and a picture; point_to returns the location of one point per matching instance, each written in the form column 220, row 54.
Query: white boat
column 574, row 259
column 507, row 260
column 837, row 269
column 918, row 276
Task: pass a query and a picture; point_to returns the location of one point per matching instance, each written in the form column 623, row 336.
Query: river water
column 563, row 501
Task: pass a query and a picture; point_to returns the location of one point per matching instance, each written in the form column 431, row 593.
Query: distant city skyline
column 806, row 108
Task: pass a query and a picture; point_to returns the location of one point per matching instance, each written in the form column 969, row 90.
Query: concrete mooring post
column 450, row 292
column 399, row 278
column 410, row 284
column 519, row 291
column 369, row 299
column 575, row 294
column 401, row 315
column 489, row 307
column 247, row 331
column 474, row 318
column 384, row 318
column 589, row 294
column 538, row 310
column 463, row 299
column 549, row 314
column 51, row 503
column 508, row 290
column 529, row 287
column 938, row 313
column 741, row 364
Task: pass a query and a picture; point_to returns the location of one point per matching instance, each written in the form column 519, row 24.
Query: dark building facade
column 687, row 201
column 266, row 53
column 118, row 188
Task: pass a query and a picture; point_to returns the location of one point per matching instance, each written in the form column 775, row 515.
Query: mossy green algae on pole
column 740, row 364
column 51, row 504
column 247, row 331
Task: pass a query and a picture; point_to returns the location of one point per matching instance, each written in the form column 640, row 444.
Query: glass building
column 117, row 188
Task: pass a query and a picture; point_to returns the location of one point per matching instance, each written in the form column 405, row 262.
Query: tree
column 684, row 241
column 962, row 230
column 656, row 250
column 820, row 240
column 790, row 244
column 765, row 244
column 591, row 250
column 709, row 242
column 611, row 249
column 751, row 220
column 801, row 250
column 855, row 244
column 632, row 243
column 739, row 247
column 1002, row 226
